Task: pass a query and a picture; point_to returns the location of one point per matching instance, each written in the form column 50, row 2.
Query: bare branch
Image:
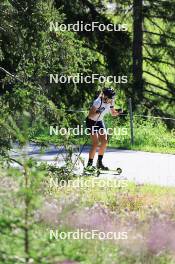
column 10, row 74
column 2, row 29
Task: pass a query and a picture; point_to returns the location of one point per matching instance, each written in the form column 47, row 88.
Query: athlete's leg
column 103, row 144
column 93, row 129
column 94, row 146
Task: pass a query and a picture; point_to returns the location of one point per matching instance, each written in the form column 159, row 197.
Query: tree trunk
column 137, row 49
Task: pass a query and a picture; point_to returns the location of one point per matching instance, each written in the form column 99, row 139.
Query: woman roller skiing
column 94, row 122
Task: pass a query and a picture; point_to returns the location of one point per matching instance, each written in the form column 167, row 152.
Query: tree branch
column 158, row 86
column 159, row 61
column 16, row 161
column 2, row 29
column 158, row 34
column 155, row 24
column 161, row 17
column 10, row 74
column 160, row 95
column 156, row 68
column 160, row 79
column 158, row 45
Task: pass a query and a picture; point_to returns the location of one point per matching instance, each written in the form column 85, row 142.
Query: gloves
column 120, row 111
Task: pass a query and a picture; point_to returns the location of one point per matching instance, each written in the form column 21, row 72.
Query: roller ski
column 117, row 171
column 90, row 171
column 101, row 169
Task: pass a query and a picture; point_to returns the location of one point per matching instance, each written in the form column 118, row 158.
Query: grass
column 150, row 135
column 98, row 205
column 118, row 194
column 141, row 200
column 138, row 202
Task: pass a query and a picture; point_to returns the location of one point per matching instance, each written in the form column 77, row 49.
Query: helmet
column 109, row 93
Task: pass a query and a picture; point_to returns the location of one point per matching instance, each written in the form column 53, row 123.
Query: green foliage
column 15, row 194
column 18, row 191
column 33, row 52
column 149, row 134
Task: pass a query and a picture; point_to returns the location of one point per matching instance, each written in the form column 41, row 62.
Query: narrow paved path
column 138, row 166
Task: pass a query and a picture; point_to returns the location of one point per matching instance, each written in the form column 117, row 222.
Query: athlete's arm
column 96, row 108
column 93, row 111
column 114, row 112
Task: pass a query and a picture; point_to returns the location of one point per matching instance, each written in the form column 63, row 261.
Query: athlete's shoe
column 101, row 166
column 90, row 169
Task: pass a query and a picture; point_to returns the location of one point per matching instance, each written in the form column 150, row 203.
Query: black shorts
column 95, row 126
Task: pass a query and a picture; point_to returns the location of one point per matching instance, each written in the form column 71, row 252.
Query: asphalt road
column 140, row 167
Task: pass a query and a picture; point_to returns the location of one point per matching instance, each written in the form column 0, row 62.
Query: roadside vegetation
column 32, row 211
column 29, row 104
